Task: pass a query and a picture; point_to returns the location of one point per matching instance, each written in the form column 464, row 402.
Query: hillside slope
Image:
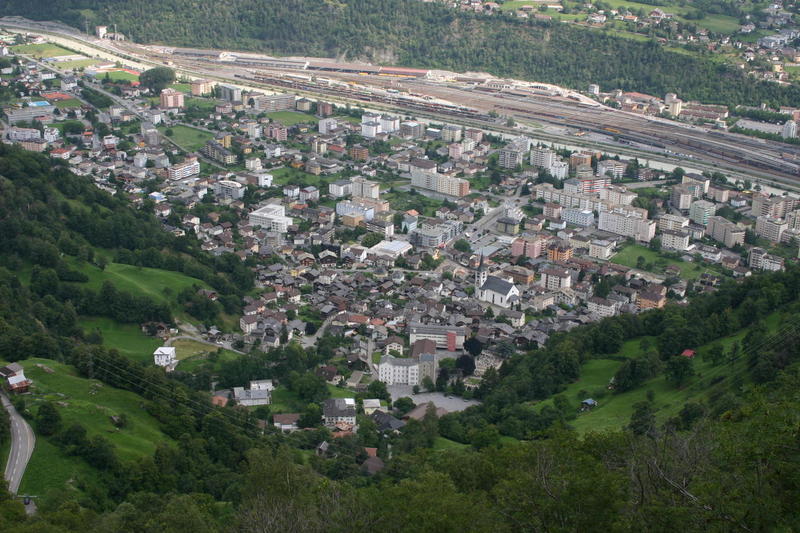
column 413, row 33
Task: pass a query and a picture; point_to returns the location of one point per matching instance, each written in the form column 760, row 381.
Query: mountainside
column 413, row 33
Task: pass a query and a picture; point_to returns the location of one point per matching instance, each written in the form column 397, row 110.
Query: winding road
column 22, row 443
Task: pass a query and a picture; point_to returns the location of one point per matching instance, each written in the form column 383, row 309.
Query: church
column 493, row 289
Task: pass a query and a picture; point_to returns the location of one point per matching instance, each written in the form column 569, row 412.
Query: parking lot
column 451, row 404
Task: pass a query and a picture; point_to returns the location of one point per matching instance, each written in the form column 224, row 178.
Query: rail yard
column 468, row 99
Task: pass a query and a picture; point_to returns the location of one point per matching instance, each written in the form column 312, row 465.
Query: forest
column 729, row 463
column 419, row 34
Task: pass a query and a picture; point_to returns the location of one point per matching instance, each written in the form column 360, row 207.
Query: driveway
column 22, row 443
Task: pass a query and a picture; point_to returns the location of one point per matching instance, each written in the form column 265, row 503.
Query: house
column 371, row 405
column 588, row 404
column 339, row 413
column 286, row 422
column 259, row 393
column 372, row 465
column 386, row 422
column 15, row 378
column 164, row 356
column 689, row 354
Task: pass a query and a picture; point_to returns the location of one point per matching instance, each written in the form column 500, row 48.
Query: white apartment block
column 675, row 240
column 364, row 188
column 628, row 222
column 611, row 167
column 578, row 217
column 271, row 217
column 190, row 167
column 672, row 222
column 770, row 228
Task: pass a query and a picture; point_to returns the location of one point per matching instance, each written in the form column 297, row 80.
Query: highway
column 628, row 134
column 22, row 443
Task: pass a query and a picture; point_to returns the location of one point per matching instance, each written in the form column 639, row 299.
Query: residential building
column 189, row 167
column 230, row 93
column 450, row 338
column 543, row 158
column 601, row 249
column 435, row 234
column 529, row 246
column 271, row 217
column 672, row 222
column 165, row 357
column 339, row 413
column 701, row 210
column 309, row 194
column 362, row 187
column 628, row 222
column 511, row 156
column 434, row 181
column 723, row 230
column 202, row 87
column 559, row 251
column 681, row 198
column 412, row 371
column 675, row 240
column 770, row 228
column 227, row 189
column 171, row 99
column 340, row 188
column 219, row 153
column 578, row 217
column 761, row 260
column 327, row 125
column 555, row 278
column 274, row 102
column 348, row 207
column 617, row 194
column 259, row 393
column 601, row 306
column 611, row 167
column 587, row 185
column 451, row 133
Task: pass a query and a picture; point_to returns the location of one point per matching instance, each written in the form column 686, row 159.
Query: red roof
column 688, row 353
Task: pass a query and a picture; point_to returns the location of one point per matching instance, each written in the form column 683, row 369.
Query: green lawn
column 67, row 104
column 629, row 255
column 128, row 339
column 117, row 75
column 188, row 138
column 286, row 175
column 442, row 443
column 285, row 401
column 182, row 87
column 290, row 118
column 403, row 201
column 338, row 392
column 161, row 285
column 76, row 64
column 90, row 403
column 41, row 50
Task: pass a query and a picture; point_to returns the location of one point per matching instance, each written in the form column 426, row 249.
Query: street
column 22, row 443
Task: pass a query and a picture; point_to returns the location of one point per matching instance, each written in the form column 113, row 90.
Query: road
column 22, row 443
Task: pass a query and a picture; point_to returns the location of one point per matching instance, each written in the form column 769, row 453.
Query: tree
column 157, row 79
column 473, row 346
column 377, row 389
column 403, row 405
column 462, row 245
column 679, row 369
column 371, row 239
column 428, row 384
column 643, row 421
column 311, row 416
column 48, row 419
column 466, row 364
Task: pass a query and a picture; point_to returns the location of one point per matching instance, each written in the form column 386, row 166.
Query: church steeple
column 480, row 274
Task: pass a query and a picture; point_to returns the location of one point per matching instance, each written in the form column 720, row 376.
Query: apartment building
column 601, row 306
column 701, row 210
column 543, row 158
column 612, row 168
column 617, row 194
column 511, row 156
column 440, row 183
column 681, row 198
column 228, row 190
column 770, row 228
column 675, row 240
column 578, row 217
column 587, row 185
column 271, row 217
column 529, row 246
column 555, row 278
column 723, row 230
column 219, row 153
column 274, row 102
column 628, row 222
column 672, row 222
column 171, row 99
column 364, row 188
column 398, row 371
column 189, row 167
column 446, row 337
column 348, row 207
column 761, row 260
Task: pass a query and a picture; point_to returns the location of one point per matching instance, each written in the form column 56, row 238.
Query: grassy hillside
column 91, row 404
column 128, row 339
column 614, row 410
